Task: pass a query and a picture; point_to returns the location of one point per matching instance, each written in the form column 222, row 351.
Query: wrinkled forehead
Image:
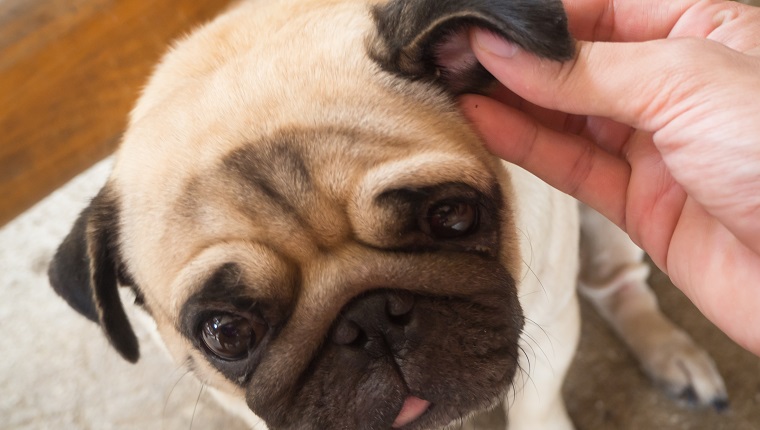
column 344, row 162
column 317, row 187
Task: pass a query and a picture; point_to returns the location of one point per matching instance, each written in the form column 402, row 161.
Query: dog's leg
column 613, row 278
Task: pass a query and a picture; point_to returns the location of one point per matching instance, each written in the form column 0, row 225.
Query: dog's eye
column 230, row 337
column 448, row 220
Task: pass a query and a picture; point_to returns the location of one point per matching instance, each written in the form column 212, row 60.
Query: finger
column 567, row 162
column 609, row 135
column 636, row 21
column 611, row 20
column 550, row 118
column 654, row 200
column 659, row 87
column 638, row 84
column 730, row 303
column 728, row 22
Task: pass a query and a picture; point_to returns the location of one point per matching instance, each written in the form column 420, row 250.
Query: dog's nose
column 376, row 321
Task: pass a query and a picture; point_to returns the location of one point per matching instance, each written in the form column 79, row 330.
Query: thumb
column 627, row 82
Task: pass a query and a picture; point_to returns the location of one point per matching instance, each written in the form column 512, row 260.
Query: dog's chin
column 447, row 360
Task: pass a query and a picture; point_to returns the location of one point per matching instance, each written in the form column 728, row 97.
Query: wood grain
column 70, row 71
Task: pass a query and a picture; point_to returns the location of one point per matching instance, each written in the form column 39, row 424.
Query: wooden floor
column 70, row 71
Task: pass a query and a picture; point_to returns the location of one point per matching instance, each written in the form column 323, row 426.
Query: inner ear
column 453, row 52
column 429, row 39
column 455, row 62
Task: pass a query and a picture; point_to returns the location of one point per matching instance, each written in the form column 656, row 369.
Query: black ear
column 428, row 39
column 86, row 269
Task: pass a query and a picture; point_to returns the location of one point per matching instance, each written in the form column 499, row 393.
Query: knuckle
column 581, row 169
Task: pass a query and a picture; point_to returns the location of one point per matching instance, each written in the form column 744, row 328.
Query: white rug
column 57, row 371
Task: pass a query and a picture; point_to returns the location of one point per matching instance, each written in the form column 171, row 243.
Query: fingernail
column 494, row 44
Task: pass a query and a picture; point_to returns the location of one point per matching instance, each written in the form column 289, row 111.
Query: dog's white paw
column 684, row 370
column 666, row 353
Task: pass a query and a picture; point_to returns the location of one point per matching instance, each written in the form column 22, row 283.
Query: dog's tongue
column 413, row 408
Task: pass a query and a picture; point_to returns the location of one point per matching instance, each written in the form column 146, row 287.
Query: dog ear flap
column 428, row 39
column 85, row 272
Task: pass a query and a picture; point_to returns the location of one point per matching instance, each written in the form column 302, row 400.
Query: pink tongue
column 412, row 409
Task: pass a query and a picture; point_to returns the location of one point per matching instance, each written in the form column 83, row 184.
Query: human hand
column 661, row 134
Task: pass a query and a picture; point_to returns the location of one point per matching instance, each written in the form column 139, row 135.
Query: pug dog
column 320, row 237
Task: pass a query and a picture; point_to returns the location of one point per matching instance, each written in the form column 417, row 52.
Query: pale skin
column 660, row 134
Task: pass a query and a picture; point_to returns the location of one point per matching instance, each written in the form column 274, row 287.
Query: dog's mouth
column 402, row 336
column 397, row 361
column 412, row 409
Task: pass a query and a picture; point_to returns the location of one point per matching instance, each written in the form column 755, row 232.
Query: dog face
column 314, row 228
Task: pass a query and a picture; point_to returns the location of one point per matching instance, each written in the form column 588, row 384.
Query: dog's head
column 314, row 228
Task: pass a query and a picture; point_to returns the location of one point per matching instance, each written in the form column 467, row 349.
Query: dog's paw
column 685, row 371
column 665, row 352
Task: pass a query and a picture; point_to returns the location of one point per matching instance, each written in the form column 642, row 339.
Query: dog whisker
column 535, row 341
column 512, row 386
column 529, row 293
column 514, row 393
column 256, row 426
column 171, row 390
column 195, row 408
column 548, row 360
column 527, row 358
column 541, row 284
column 523, row 374
column 530, row 245
column 529, row 263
